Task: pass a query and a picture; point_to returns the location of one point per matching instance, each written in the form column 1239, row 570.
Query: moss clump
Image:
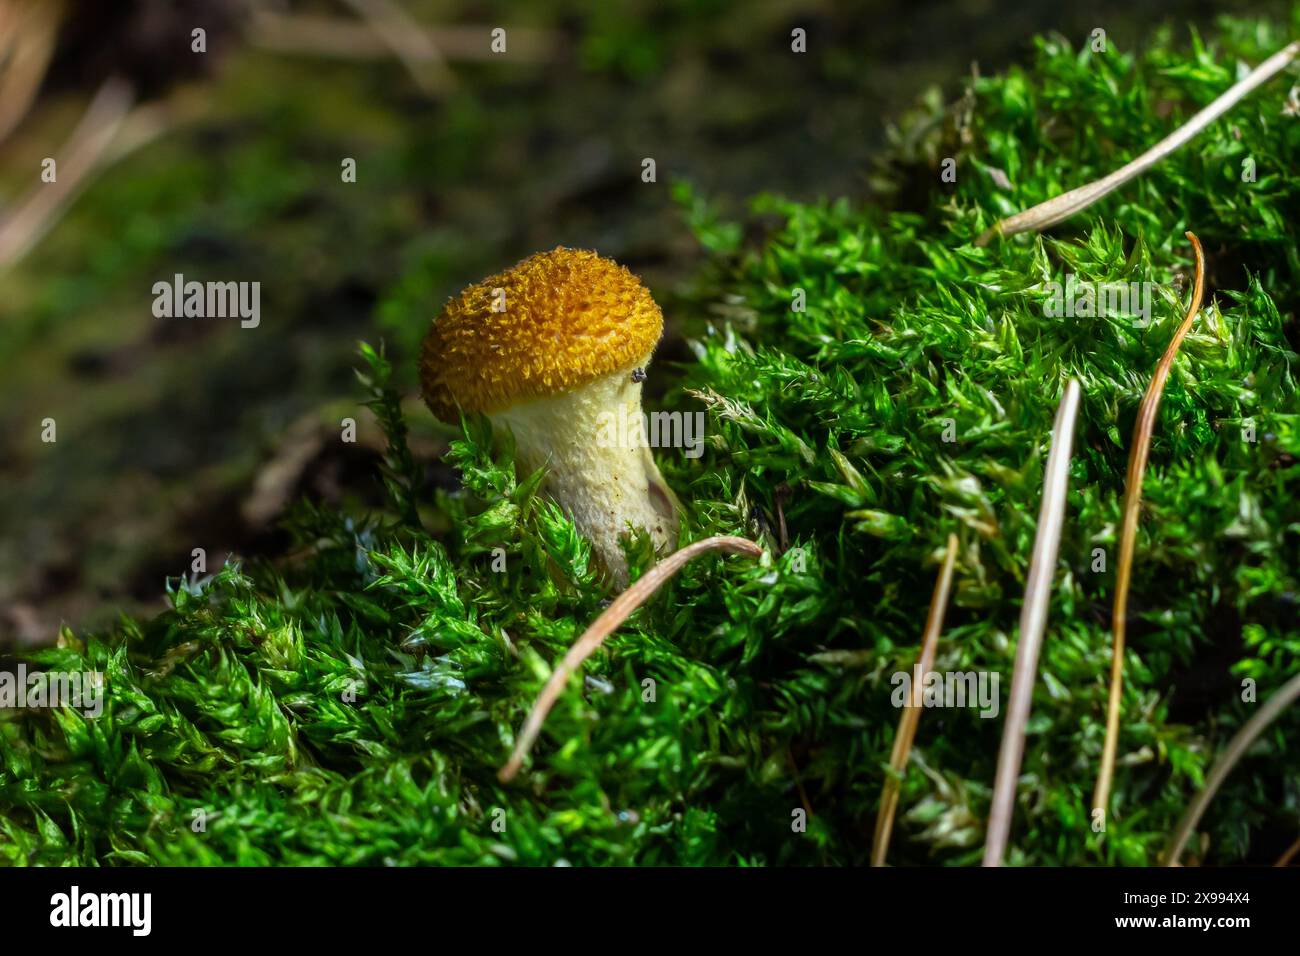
column 352, row 703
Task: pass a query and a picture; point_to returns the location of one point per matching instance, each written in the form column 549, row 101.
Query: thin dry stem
column 409, row 43
column 1291, row 851
column 911, row 713
column 88, row 148
column 606, row 624
column 1137, row 463
column 1237, row 747
column 338, row 38
column 1059, row 208
column 1033, row 620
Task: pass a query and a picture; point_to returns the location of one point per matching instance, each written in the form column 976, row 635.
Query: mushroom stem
column 600, row 469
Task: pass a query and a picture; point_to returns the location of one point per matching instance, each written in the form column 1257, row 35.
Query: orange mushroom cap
column 570, row 316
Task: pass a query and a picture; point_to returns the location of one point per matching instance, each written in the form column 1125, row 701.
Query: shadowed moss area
column 350, row 698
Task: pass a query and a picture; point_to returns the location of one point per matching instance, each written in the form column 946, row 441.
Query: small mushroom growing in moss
column 555, row 349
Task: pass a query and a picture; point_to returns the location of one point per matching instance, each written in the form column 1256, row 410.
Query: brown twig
column 1062, row 207
column 1137, row 463
column 1236, row 748
column 911, row 715
column 606, row 624
column 1033, row 620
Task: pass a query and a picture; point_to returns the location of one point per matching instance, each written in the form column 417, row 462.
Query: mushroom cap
column 571, row 316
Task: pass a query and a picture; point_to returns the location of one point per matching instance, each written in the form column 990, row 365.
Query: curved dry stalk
column 1033, row 620
column 606, row 624
column 1236, row 748
column 1137, row 463
column 911, row 714
column 1062, row 207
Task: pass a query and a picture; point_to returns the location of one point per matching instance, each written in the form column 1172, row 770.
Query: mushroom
column 555, row 350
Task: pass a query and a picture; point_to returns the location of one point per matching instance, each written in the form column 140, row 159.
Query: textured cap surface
column 570, row 316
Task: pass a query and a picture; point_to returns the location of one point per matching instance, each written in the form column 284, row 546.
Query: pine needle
column 911, row 714
column 1137, row 463
column 605, row 625
column 1237, row 746
column 1033, row 619
column 1291, row 851
column 1062, row 207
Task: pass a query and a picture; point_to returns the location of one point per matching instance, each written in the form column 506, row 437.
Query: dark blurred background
column 225, row 165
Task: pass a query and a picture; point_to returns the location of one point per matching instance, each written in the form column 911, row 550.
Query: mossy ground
column 351, row 700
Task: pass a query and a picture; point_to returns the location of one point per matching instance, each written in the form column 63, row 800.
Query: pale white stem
column 1033, row 620
column 1062, row 207
column 593, row 444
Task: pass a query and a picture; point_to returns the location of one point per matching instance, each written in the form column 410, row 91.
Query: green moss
column 352, row 702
